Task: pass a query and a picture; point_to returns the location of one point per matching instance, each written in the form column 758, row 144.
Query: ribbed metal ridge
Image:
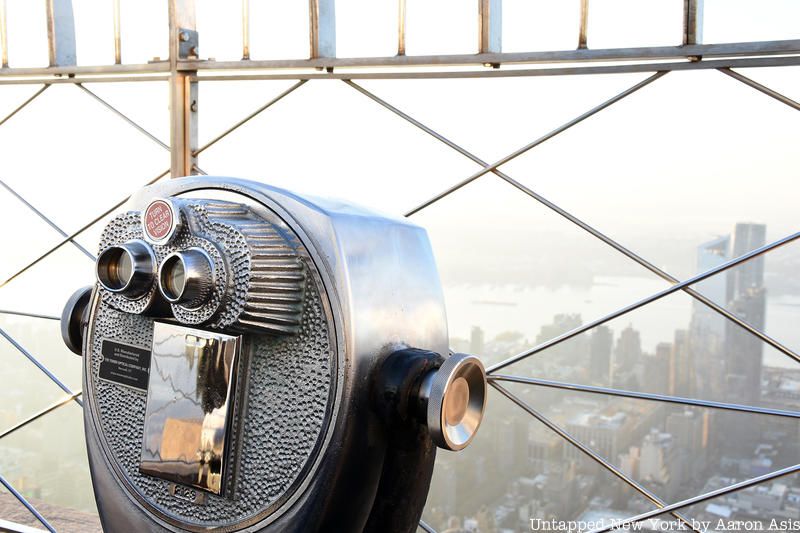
column 277, row 277
column 274, row 292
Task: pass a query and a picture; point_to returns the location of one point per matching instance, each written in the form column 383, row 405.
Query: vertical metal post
column 692, row 21
column 245, row 29
column 182, row 88
column 61, row 33
column 401, row 27
column 117, row 34
column 3, row 36
column 322, row 26
column 582, row 35
column 491, row 26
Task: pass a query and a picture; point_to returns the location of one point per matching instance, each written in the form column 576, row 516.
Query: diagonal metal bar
column 75, row 234
column 38, row 415
column 252, row 115
column 620, row 524
column 762, row 88
column 39, row 365
column 408, row 118
column 25, row 103
column 45, row 218
column 425, row 527
column 28, row 505
column 643, row 395
column 588, row 451
column 30, row 315
column 199, row 170
column 644, row 301
column 124, row 117
column 657, row 271
column 564, row 127
column 581, row 224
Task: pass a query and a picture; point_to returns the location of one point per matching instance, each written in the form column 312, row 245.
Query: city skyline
column 672, row 450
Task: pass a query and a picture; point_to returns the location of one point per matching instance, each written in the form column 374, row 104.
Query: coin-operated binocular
column 256, row 360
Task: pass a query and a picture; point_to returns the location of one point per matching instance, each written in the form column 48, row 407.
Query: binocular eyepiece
column 184, row 278
column 255, row 360
column 128, row 269
column 187, row 278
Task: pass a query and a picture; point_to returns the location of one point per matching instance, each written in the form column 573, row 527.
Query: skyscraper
column 747, row 300
column 571, row 352
column 656, row 370
column 727, row 359
column 600, row 354
column 681, row 365
column 627, row 354
column 707, row 327
column 689, row 427
column 746, row 238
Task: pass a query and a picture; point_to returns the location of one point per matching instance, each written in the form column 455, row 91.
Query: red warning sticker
column 158, row 220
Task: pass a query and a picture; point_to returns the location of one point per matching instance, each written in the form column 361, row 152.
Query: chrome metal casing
column 380, row 290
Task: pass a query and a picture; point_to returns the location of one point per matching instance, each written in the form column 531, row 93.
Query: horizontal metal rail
column 344, row 74
column 30, row 315
column 588, row 451
column 39, row 414
column 49, row 222
column 46, row 371
column 576, row 387
column 75, row 234
column 58, row 80
column 28, row 505
column 700, row 498
column 719, row 50
column 625, row 68
column 581, row 224
column 644, row 301
column 153, row 67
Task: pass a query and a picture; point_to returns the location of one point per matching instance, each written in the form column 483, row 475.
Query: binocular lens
column 456, row 403
column 173, row 278
column 187, row 278
column 119, row 268
column 128, row 269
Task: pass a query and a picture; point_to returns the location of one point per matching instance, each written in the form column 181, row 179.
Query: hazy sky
column 670, row 167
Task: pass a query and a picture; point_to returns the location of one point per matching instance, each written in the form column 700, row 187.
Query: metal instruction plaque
column 190, row 402
column 125, row 364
